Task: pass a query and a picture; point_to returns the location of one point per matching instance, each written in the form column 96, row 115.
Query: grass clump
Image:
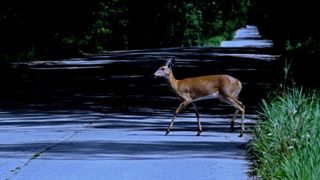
column 285, row 143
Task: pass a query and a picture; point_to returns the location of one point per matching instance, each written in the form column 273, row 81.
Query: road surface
column 104, row 117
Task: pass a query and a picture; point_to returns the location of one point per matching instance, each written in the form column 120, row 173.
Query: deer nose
column 155, row 74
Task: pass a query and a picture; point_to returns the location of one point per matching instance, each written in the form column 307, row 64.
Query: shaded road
column 103, row 117
column 124, row 80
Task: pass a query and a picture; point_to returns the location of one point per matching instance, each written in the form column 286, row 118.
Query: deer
column 190, row 90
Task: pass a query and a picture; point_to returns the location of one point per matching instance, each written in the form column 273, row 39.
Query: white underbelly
column 210, row 96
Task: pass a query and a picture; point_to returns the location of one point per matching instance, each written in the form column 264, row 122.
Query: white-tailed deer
column 190, row 90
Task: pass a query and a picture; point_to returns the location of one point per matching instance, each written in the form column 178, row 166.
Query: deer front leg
column 181, row 106
column 198, row 119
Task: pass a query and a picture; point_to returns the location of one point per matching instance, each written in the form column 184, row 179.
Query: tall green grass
column 286, row 142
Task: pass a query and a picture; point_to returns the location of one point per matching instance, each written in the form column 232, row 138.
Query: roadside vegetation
column 285, row 142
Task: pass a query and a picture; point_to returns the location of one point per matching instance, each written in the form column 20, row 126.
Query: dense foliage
column 291, row 24
column 51, row 29
column 293, row 27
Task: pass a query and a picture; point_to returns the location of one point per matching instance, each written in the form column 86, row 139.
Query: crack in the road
column 36, row 155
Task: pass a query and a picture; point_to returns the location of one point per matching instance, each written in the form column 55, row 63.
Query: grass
column 285, row 143
column 214, row 41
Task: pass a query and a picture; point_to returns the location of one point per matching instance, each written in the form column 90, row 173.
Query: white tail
column 190, row 90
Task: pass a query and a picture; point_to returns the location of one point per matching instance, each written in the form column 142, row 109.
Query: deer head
column 165, row 70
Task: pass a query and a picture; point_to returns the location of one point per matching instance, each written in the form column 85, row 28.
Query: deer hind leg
column 233, row 119
column 242, row 115
column 198, row 119
column 180, row 107
column 239, row 107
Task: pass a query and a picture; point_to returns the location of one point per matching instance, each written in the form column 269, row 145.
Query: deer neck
column 172, row 82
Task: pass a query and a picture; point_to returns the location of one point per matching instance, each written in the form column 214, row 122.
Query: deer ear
column 170, row 62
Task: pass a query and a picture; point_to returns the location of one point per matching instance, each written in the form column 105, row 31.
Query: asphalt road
column 104, row 116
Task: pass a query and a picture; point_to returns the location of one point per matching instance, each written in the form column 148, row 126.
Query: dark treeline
column 55, row 28
column 290, row 24
column 293, row 25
